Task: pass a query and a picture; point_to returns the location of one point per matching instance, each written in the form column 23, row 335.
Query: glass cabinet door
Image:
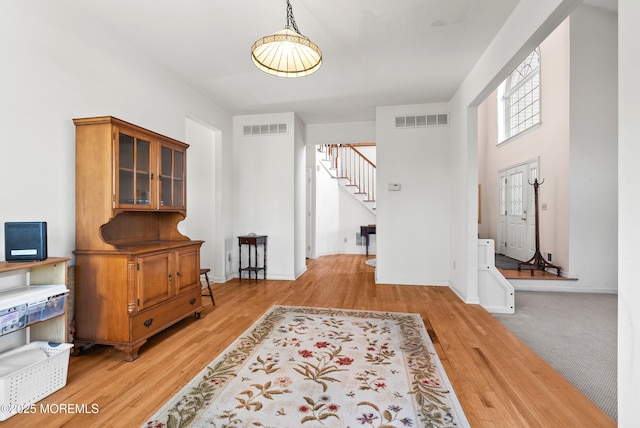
column 172, row 175
column 134, row 172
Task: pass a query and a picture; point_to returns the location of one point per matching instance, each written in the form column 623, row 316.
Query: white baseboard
column 410, row 281
column 556, row 286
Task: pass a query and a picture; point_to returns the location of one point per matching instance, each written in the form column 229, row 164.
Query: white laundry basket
column 32, row 383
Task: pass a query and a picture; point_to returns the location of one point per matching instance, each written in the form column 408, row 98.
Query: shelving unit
column 33, row 315
column 30, row 282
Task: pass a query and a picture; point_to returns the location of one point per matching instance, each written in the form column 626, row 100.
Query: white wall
column 265, row 191
column 593, row 206
column 629, row 206
column 369, row 152
column 413, row 224
column 61, row 66
column 201, row 222
column 327, row 213
column 300, row 199
column 340, row 133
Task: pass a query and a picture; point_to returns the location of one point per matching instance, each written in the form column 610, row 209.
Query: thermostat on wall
column 393, row 186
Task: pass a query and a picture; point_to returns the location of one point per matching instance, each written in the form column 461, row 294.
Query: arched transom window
column 519, row 98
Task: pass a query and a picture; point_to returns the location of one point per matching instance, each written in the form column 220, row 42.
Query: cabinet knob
column 170, row 277
column 192, row 301
column 148, row 322
column 178, row 274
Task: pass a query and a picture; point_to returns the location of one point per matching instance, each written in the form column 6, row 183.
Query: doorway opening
column 516, row 210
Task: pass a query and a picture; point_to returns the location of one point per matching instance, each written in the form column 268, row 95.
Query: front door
column 516, row 213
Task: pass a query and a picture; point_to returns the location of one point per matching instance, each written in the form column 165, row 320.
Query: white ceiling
column 375, row 52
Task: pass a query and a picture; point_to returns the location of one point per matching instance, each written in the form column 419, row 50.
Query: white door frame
column 309, row 214
column 516, row 218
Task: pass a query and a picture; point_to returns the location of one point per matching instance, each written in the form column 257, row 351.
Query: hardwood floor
column 538, row 274
column 498, row 380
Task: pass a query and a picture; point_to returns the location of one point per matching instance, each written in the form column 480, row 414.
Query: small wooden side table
column 253, row 241
column 366, row 231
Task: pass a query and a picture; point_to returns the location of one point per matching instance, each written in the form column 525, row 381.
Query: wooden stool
column 204, row 272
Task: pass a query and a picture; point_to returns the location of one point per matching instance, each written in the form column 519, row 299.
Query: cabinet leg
column 130, row 351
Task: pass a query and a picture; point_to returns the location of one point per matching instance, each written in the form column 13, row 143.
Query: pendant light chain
column 291, row 21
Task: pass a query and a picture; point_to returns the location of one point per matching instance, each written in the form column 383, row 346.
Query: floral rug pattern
column 317, row 367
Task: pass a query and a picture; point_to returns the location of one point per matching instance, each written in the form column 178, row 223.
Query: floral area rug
column 315, row 367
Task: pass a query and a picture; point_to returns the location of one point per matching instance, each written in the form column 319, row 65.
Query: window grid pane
column 515, row 206
column 522, row 98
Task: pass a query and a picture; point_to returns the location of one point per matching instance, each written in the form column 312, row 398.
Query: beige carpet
column 576, row 333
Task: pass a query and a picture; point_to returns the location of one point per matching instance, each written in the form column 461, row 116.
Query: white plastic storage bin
column 46, row 308
column 21, row 306
column 12, row 319
column 23, row 386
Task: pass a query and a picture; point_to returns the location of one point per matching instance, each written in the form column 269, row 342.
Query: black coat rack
column 537, row 261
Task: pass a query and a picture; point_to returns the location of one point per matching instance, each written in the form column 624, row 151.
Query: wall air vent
column 267, row 129
column 420, row 121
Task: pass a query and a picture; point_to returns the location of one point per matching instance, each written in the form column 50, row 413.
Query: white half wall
column 496, row 294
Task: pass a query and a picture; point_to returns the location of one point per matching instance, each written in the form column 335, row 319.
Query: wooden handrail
column 363, row 156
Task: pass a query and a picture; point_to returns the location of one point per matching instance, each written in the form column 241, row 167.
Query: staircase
column 354, row 171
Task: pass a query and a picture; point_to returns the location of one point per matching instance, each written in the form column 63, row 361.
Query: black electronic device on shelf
column 25, row 241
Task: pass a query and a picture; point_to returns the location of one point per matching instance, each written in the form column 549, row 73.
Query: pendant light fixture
column 287, row 53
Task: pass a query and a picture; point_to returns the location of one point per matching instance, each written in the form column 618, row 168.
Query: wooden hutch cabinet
column 136, row 274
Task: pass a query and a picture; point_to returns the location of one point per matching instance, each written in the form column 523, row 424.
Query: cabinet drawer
column 252, row 240
column 162, row 315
